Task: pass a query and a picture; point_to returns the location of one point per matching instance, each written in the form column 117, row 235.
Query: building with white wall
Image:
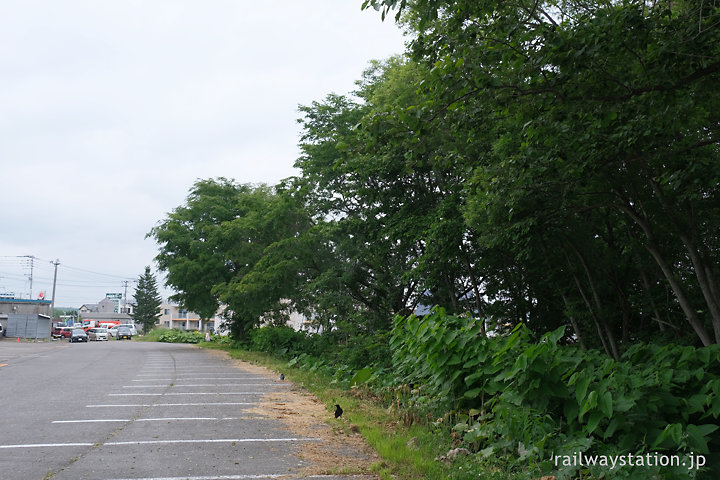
column 174, row 316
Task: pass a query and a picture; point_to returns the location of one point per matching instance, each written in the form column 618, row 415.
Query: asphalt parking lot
column 122, row 410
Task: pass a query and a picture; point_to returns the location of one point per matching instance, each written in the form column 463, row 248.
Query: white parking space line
column 173, row 419
column 214, row 440
column 213, row 477
column 181, row 365
column 93, row 421
column 162, row 419
column 181, row 393
column 200, row 375
column 188, row 367
column 165, row 385
column 40, row 445
column 180, row 377
column 155, row 376
column 161, row 385
column 162, row 442
column 170, row 404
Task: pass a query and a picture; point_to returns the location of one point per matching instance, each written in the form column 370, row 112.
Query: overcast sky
column 111, row 109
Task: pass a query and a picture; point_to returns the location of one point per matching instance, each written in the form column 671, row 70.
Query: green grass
column 407, row 452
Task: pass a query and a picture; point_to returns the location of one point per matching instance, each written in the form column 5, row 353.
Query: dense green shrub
column 361, row 351
column 339, row 355
column 525, row 398
column 278, row 340
column 532, row 397
column 177, row 336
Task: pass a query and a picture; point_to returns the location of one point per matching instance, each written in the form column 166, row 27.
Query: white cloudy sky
column 111, row 109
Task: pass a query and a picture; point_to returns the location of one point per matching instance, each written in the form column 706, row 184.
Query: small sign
column 116, row 296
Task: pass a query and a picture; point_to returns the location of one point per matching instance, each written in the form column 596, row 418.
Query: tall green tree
column 389, row 199
column 603, row 122
column 235, row 246
column 147, row 301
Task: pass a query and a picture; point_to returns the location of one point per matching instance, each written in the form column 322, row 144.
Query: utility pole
column 124, row 307
column 32, row 259
column 52, row 304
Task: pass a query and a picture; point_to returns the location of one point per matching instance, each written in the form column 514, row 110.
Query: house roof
column 24, row 300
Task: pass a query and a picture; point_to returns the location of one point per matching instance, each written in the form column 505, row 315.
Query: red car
column 61, row 332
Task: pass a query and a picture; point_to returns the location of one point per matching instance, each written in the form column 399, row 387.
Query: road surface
column 122, row 410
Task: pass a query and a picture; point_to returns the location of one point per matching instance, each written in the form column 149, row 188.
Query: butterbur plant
column 527, row 396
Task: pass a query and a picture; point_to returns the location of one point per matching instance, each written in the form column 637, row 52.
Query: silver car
column 132, row 328
column 98, row 334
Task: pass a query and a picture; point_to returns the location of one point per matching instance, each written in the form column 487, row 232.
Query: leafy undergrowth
column 521, row 406
column 544, row 403
column 174, row 336
column 407, row 451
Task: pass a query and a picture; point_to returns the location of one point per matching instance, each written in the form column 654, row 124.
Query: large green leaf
column 361, row 376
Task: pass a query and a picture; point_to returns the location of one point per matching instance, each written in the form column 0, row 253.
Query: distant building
column 106, row 305
column 107, row 316
column 88, row 307
column 25, row 318
column 175, row 316
column 105, row 310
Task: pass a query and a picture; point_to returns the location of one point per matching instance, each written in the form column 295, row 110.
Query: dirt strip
column 341, row 451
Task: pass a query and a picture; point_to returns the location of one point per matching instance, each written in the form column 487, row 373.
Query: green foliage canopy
column 233, row 245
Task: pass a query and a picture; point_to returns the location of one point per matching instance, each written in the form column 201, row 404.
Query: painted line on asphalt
column 162, row 419
column 163, row 442
column 40, row 445
column 181, row 393
column 213, row 477
column 165, row 385
column 204, row 375
column 170, row 404
column 180, row 377
column 158, row 363
column 92, row 421
column 214, row 440
column 219, row 371
column 189, row 365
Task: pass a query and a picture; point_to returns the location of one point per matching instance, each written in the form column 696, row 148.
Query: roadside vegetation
column 515, row 402
column 541, row 173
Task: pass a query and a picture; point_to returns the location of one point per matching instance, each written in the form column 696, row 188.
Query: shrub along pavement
column 437, row 400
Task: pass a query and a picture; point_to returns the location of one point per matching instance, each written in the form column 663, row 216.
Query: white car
column 98, row 334
column 112, row 332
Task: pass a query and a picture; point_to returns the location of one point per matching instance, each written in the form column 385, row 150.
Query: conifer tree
column 147, row 301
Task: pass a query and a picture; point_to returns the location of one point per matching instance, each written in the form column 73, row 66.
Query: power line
column 50, row 273
column 13, row 259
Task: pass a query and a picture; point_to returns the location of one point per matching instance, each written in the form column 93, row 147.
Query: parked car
column 61, row 332
column 108, row 325
column 123, row 332
column 133, row 330
column 112, row 332
column 78, row 335
column 97, row 334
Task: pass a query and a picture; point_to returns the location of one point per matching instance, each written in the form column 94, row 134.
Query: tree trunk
column 600, row 334
column 476, row 290
column 654, row 250
column 686, row 227
column 646, row 287
column 598, row 303
column 682, row 299
column 705, row 278
column 573, row 322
